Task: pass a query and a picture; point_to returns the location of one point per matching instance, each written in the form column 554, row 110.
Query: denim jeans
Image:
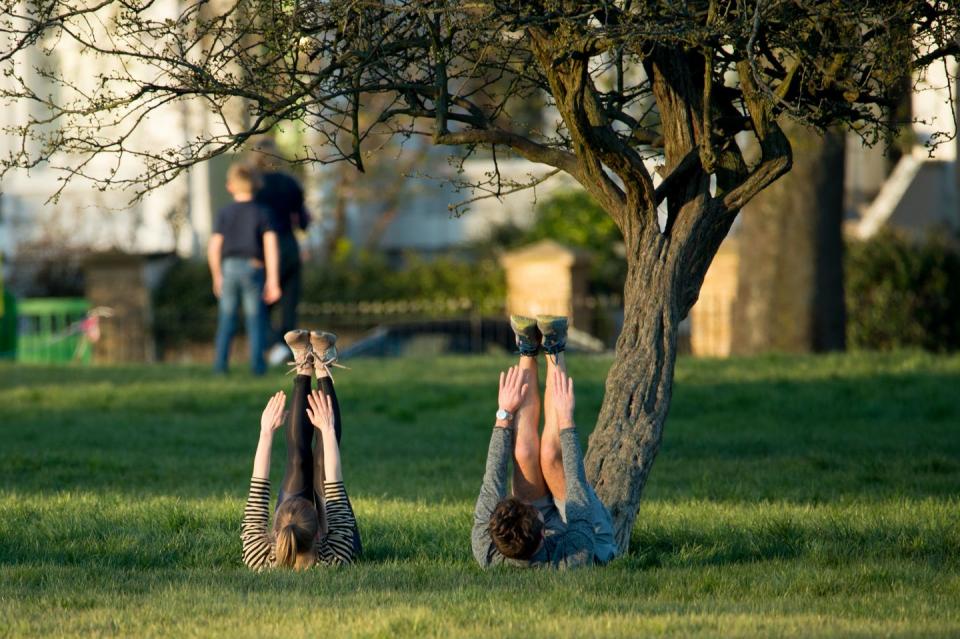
column 242, row 286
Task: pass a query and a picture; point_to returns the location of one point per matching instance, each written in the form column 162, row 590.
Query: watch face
column 502, row 414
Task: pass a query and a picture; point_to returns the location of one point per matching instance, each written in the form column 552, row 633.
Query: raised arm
column 579, row 537
column 270, row 420
column 336, row 547
column 253, row 531
column 494, row 488
column 320, row 412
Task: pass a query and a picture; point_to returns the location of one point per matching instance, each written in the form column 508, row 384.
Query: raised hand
column 320, row 412
column 563, row 400
column 513, row 388
column 273, row 413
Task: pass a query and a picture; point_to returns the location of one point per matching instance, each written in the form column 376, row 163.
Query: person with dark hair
column 554, row 518
column 282, row 196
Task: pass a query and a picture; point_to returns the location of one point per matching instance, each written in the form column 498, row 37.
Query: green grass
column 793, row 496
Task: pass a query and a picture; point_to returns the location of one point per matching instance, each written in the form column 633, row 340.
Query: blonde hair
column 295, row 529
column 246, row 174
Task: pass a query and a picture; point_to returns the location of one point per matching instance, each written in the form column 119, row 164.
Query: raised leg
column 298, row 475
column 551, row 457
column 528, row 481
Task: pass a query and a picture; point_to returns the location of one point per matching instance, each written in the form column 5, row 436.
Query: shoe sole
column 297, row 338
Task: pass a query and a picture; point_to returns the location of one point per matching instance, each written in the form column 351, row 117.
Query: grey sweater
column 570, row 548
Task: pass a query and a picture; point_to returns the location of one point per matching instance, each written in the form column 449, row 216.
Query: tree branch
column 776, row 156
column 525, row 147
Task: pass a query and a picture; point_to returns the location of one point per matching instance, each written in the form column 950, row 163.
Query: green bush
column 357, row 275
column 902, row 293
column 185, row 308
column 573, row 218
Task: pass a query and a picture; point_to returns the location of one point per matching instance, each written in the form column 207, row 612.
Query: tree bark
column 627, row 437
column 790, row 285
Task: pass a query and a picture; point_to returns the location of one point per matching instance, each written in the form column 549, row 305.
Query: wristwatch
column 504, row 415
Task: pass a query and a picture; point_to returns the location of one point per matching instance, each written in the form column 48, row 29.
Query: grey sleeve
column 578, row 540
column 493, row 490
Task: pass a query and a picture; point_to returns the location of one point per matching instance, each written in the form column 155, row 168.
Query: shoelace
column 328, row 363
column 301, row 361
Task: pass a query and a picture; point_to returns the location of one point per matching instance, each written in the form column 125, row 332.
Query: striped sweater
column 335, row 548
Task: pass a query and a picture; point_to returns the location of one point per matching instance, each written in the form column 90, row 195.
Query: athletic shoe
column 278, row 354
column 527, row 333
column 299, row 342
column 324, row 347
column 554, row 331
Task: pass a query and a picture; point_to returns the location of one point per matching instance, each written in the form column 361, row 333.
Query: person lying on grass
column 554, row 517
column 313, row 522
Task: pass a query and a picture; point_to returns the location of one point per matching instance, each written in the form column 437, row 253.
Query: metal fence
column 377, row 328
column 388, row 327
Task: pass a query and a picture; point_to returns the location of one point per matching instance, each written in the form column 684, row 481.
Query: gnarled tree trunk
column 637, row 398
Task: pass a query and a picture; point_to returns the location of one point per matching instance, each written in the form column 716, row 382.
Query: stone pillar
column 548, row 278
column 116, row 284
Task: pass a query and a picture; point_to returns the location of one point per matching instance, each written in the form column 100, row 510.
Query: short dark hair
column 516, row 529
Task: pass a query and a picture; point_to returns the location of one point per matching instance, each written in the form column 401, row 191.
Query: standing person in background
column 244, row 264
column 282, row 196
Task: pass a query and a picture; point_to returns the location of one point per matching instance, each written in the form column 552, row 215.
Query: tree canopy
column 608, row 74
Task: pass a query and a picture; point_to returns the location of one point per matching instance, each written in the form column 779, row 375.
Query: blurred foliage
column 185, row 308
column 572, row 217
column 903, row 293
column 353, row 274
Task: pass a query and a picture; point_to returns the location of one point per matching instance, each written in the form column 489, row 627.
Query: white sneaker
column 278, row 355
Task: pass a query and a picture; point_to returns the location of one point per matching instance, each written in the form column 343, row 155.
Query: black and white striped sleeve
column 337, row 546
column 258, row 549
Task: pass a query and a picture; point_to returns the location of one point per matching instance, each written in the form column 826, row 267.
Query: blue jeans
column 242, row 285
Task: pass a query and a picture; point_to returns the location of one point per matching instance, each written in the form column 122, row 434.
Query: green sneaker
column 324, row 346
column 527, row 333
column 299, row 342
column 554, row 331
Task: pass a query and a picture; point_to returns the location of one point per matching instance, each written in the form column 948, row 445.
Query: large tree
column 629, row 90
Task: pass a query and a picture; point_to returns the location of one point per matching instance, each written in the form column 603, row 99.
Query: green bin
column 49, row 330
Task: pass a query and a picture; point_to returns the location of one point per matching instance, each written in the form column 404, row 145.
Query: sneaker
column 554, row 331
column 324, row 346
column 527, row 333
column 299, row 342
column 278, row 354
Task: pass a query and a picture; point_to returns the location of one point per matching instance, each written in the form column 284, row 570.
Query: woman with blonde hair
column 314, row 522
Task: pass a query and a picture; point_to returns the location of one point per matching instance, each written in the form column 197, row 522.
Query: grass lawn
column 793, row 496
